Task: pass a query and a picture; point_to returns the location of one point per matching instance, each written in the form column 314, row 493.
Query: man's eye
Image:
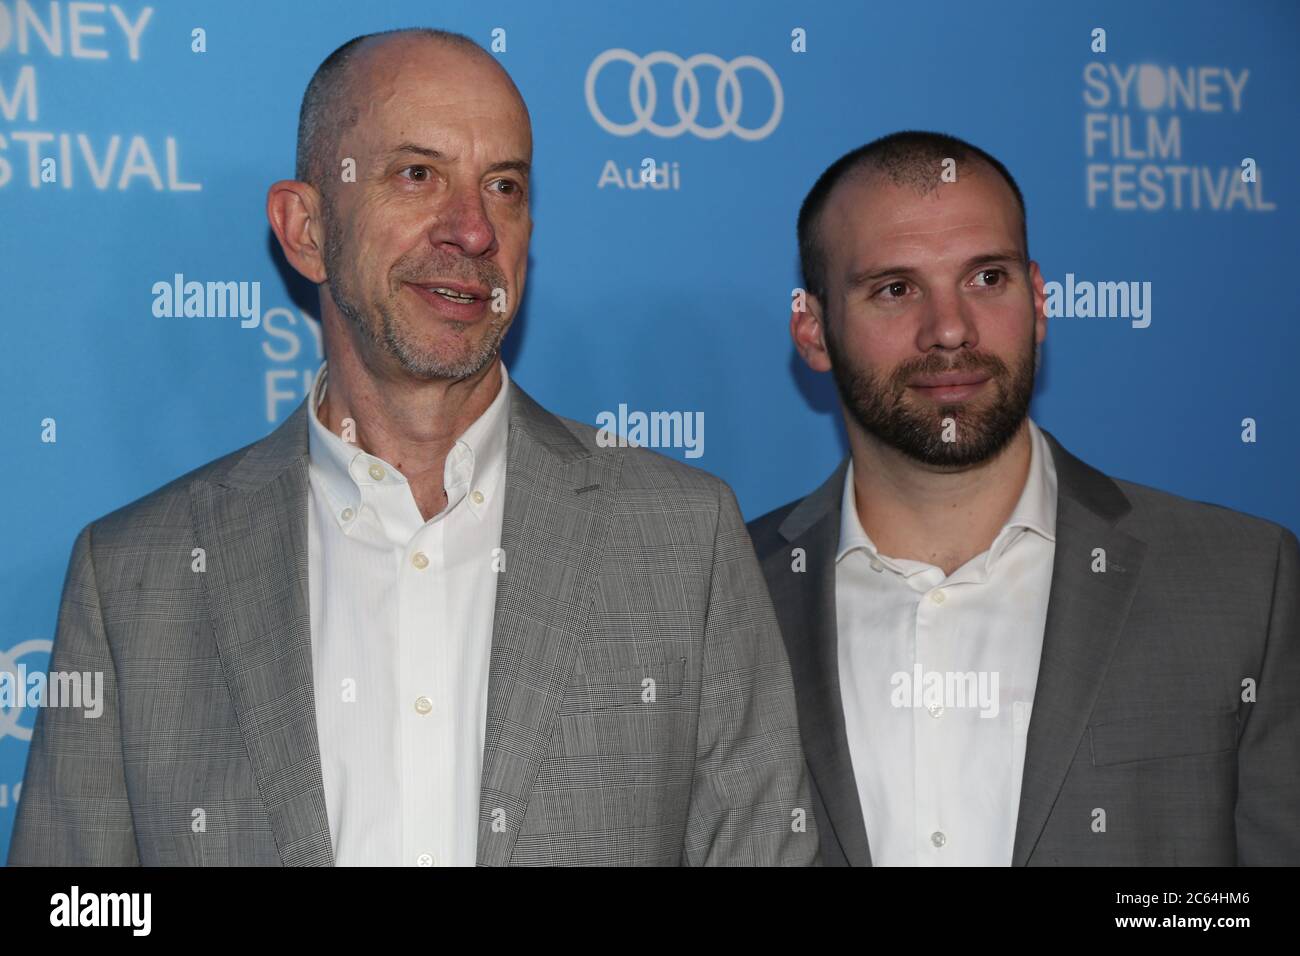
column 418, row 174
column 997, row 274
column 894, row 290
column 506, row 186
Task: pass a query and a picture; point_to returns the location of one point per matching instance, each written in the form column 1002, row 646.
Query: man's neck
column 411, row 424
column 944, row 518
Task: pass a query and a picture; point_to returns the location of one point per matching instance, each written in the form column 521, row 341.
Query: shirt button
column 377, row 471
column 347, row 514
column 425, row 859
column 423, row 705
column 477, row 497
column 937, row 597
column 876, row 565
column 936, row 710
column 419, row 560
column 937, row 838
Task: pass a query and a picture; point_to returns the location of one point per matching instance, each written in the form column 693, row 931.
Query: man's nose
column 462, row 224
column 948, row 323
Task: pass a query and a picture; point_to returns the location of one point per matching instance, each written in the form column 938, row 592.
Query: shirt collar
column 1035, row 511
column 473, row 470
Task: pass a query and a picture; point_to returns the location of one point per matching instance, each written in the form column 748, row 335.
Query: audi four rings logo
column 644, row 95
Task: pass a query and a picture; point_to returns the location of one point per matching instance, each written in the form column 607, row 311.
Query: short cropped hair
column 911, row 158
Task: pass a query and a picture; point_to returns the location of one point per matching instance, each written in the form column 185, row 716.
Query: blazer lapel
column 557, row 515
column 252, row 524
column 1085, row 615
column 805, row 605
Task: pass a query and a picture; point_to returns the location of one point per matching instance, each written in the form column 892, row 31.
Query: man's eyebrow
column 416, row 148
column 518, row 165
column 1002, row 255
column 872, row 273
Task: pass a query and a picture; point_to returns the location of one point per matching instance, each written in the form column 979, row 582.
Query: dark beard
column 981, row 431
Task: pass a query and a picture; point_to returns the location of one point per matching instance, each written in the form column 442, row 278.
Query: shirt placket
column 930, row 733
column 422, row 702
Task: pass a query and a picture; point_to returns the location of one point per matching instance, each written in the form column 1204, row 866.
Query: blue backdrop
column 128, row 156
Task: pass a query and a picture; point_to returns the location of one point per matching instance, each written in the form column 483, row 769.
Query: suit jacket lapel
column 805, row 604
column 1085, row 616
column 252, row 523
column 557, row 515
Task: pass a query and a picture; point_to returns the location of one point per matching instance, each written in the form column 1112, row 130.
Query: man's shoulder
column 643, row 469
column 167, row 507
column 1182, row 530
column 820, row 503
column 765, row 531
column 1185, row 524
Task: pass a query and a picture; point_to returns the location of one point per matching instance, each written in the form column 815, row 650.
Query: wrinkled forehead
column 409, row 88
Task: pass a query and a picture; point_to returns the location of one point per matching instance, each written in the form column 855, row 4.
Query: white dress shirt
column 401, row 630
column 937, row 677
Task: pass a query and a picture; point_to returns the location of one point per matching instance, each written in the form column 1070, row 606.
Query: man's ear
column 809, row 333
column 294, row 210
column 1040, row 302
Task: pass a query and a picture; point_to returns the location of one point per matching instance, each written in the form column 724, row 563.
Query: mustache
column 450, row 268
column 935, row 364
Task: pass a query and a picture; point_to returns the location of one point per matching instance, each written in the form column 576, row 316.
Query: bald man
column 437, row 625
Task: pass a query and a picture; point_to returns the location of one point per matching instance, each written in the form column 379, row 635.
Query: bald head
column 911, row 159
column 333, row 101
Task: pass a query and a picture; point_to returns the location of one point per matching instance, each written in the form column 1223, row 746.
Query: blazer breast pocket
column 1160, row 736
column 658, row 675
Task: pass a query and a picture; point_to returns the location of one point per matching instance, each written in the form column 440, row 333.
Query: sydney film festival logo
column 1157, row 137
column 81, row 37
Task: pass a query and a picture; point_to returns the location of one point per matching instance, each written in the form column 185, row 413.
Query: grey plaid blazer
column 1139, row 708
column 621, row 564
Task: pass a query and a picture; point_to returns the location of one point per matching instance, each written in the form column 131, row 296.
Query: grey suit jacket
column 620, row 565
column 1139, row 707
